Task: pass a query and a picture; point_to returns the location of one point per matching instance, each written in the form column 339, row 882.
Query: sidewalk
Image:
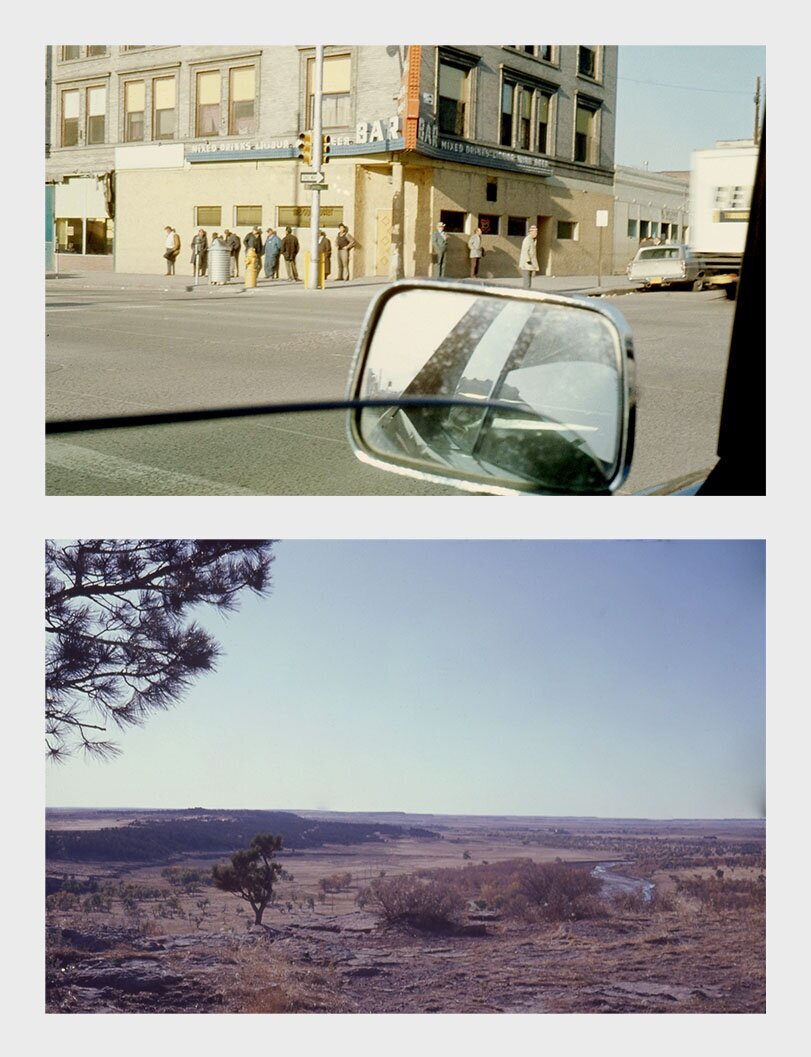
column 584, row 284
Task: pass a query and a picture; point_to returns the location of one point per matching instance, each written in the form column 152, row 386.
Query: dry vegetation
column 480, row 921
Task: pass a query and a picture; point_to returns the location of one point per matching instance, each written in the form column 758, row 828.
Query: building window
column 209, row 88
column 567, row 229
column 453, row 220
column 336, row 98
column 453, row 98
column 517, row 101
column 654, row 229
column 247, row 216
column 517, row 226
column 94, row 50
column 71, row 51
column 208, row 216
column 633, row 229
column 96, row 110
column 644, row 229
column 132, row 47
column 163, row 108
column 134, row 108
column 543, row 107
column 70, row 118
column 242, row 101
column 491, row 191
column 489, row 223
column 585, row 133
column 587, row 62
column 546, row 52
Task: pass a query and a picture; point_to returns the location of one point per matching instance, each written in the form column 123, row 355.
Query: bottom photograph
column 405, row 776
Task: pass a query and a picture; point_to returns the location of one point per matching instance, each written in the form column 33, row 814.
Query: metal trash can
column 219, row 264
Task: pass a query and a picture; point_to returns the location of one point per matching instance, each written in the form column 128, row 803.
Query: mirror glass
column 546, row 379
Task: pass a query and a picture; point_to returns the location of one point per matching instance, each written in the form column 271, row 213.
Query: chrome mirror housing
column 495, row 390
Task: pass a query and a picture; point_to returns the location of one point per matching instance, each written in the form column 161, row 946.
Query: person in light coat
column 475, row 249
column 528, row 260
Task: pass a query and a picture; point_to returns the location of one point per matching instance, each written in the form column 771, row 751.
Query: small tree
column 252, row 873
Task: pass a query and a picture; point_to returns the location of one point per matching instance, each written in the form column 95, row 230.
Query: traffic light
column 305, row 147
column 325, row 142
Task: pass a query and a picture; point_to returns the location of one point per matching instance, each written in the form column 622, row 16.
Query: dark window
column 507, row 108
column 584, row 134
column 587, row 61
column 453, row 88
column 524, row 131
column 489, row 223
column 453, row 221
column 644, row 229
column 567, row 229
column 543, row 107
column 545, row 52
column 517, row 226
column 492, row 191
column 633, row 229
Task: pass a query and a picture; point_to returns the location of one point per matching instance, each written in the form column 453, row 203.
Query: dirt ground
column 154, row 947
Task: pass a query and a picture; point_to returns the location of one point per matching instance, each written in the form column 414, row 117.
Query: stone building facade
column 142, row 136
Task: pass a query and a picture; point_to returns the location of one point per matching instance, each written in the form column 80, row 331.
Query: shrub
column 407, row 900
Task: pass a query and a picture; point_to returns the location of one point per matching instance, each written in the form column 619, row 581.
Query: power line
column 686, row 87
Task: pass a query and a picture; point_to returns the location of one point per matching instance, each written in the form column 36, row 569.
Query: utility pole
column 756, row 137
column 318, row 148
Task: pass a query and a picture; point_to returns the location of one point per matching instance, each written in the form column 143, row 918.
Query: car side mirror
column 495, row 390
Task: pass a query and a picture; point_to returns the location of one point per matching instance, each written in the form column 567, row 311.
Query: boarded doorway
column 383, row 242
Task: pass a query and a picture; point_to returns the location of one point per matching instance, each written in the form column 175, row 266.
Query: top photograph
column 415, row 270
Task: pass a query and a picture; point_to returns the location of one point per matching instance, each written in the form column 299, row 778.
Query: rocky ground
column 674, row 961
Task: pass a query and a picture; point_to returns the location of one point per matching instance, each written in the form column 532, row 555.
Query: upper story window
column 132, row 47
column 134, row 110
column 209, row 92
column 545, row 52
column 588, row 62
column 96, row 114
column 70, row 118
column 336, row 91
column 586, row 132
column 523, row 107
column 164, row 114
column 453, row 98
column 242, row 101
column 71, row 52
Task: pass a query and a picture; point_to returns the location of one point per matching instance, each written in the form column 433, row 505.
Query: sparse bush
column 716, row 893
column 407, row 900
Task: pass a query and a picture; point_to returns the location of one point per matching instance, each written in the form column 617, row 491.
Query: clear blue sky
column 531, row 677
column 674, row 100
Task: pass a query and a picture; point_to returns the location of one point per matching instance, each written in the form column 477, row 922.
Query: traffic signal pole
column 318, row 148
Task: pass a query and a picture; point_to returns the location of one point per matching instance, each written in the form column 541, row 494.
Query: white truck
column 721, row 182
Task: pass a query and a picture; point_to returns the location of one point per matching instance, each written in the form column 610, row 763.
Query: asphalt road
column 113, row 351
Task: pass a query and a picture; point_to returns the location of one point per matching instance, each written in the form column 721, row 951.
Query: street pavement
column 126, row 344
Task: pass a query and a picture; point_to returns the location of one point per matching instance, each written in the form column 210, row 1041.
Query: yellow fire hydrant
column 251, row 269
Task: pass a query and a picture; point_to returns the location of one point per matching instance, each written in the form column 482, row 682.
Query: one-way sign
column 311, row 177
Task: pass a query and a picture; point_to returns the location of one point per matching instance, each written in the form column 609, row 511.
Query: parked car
column 669, row 264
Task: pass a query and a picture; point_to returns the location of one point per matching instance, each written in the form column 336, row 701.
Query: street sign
column 310, row 177
column 318, row 187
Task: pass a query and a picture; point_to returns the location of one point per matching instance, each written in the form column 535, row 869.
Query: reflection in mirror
column 546, row 379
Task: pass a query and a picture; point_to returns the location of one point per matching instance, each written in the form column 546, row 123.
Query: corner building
column 502, row 137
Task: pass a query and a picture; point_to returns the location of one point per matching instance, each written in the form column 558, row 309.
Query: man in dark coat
column 289, row 251
column 325, row 251
column 234, row 245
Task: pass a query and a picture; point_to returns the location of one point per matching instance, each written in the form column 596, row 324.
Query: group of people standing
column 527, row 259
column 271, row 249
